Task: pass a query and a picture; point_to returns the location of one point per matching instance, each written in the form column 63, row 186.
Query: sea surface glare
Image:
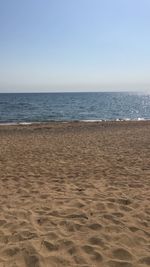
column 44, row 107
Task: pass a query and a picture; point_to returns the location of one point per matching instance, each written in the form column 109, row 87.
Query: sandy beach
column 75, row 194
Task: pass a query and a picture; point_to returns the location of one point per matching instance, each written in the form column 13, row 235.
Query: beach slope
column 75, row 194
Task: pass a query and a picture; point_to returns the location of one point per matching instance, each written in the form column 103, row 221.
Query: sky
column 74, row 45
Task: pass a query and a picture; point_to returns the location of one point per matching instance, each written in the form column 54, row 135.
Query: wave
column 69, row 121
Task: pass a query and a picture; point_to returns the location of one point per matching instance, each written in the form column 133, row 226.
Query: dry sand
column 75, row 194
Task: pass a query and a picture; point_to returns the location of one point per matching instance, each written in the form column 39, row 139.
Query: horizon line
column 67, row 92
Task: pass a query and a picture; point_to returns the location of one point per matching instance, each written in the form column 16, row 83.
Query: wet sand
column 75, row 194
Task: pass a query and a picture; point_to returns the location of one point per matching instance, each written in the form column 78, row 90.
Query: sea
column 27, row 108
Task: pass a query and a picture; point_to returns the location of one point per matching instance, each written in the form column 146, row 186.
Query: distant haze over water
column 44, row 107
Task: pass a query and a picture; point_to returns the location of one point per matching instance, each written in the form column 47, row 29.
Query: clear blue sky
column 63, row 45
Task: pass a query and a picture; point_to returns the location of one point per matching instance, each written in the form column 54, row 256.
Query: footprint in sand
column 95, row 226
column 23, row 235
column 31, row 256
column 55, row 261
column 65, row 243
column 50, row 246
column 124, row 201
column 2, row 222
column 11, row 251
column 79, row 260
column 94, row 255
column 32, row 260
column 134, row 229
column 122, row 254
column 115, row 263
column 96, row 241
column 70, row 226
column 145, row 260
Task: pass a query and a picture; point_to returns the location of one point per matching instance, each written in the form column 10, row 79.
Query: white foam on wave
column 91, row 120
column 98, row 120
column 8, row 123
column 25, row 123
column 14, row 123
column 141, row 119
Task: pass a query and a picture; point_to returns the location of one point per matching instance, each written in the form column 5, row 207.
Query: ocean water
column 44, row 107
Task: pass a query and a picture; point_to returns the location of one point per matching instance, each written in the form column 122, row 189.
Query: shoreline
column 72, row 121
column 75, row 122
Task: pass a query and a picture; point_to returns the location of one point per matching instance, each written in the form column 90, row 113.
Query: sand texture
column 75, row 194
